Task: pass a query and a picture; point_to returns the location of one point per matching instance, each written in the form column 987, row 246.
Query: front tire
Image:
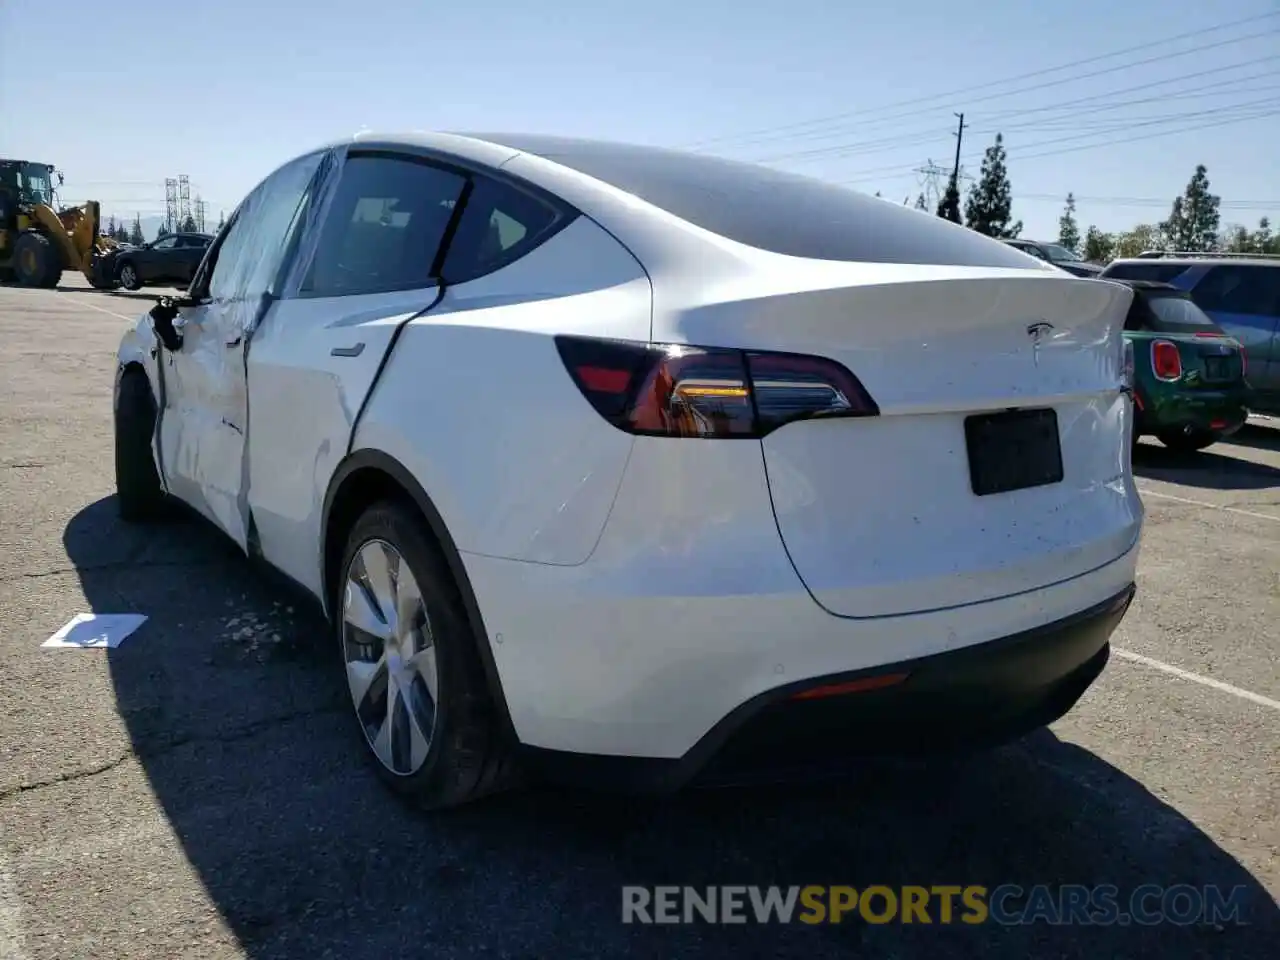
column 418, row 690
column 1192, row 441
column 138, row 492
column 129, row 276
column 36, row 262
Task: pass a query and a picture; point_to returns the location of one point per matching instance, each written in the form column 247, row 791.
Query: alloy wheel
column 390, row 657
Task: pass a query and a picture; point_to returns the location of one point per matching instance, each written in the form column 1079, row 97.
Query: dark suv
column 171, row 259
column 1242, row 296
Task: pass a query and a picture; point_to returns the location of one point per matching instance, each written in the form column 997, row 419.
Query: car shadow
column 239, row 719
column 1206, row 468
column 1258, row 436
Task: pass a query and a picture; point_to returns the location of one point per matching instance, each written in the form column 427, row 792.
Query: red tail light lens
column 1166, row 363
column 682, row 391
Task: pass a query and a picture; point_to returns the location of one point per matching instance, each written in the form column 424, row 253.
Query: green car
column 1189, row 375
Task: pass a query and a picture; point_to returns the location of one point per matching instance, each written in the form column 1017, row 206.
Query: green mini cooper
column 1189, row 376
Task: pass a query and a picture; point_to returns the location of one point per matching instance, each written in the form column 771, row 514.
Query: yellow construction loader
column 37, row 243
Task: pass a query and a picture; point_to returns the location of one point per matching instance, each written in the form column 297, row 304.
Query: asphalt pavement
column 199, row 792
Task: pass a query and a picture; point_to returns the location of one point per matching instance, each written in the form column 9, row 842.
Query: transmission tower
column 184, row 199
column 933, row 182
column 201, row 208
column 932, row 179
column 170, row 204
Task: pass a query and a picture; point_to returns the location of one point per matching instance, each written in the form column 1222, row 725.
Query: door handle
column 352, row 351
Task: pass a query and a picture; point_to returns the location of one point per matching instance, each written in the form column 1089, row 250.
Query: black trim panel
column 976, row 696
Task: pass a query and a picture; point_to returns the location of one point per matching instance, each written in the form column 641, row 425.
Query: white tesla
column 644, row 466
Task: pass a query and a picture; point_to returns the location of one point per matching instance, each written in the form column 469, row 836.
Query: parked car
column 1190, row 388
column 1060, row 256
column 171, row 259
column 614, row 462
column 1240, row 293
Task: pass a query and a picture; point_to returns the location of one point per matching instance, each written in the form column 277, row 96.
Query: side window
column 500, row 224
column 168, row 243
column 1240, row 289
column 383, row 228
column 230, row 251
column 248, row 258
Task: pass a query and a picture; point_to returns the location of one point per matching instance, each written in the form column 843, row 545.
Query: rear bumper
column 975, row 696
column 1222, row 412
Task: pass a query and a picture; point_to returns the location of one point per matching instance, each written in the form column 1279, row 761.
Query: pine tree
column 188, row 225
column 1263, row 239
column 990, row 202
column 1068, row 229
column 110, row 230
column 949, row 205
column 163, row 232
column 1099, row 247
column 1237, row 238
column 1194, row 219
column 135, row 232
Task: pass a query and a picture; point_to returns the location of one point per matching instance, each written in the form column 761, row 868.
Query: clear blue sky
column 224, row 91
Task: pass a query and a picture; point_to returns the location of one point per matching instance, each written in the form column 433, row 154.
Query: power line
column 1050, row 107
column 920, row 137
column 873, row 174
column 1144, row 201
column 952, row 95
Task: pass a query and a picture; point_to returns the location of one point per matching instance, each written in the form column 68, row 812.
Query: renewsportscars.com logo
column 1008, row 904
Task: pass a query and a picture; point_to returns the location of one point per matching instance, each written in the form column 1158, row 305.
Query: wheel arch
column 370, row 474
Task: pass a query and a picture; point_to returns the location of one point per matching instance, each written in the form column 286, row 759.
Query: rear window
column 1158, row 272
column 769, row 209
column 1174, row 314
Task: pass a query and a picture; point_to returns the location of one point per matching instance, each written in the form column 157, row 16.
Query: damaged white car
column 646, row 467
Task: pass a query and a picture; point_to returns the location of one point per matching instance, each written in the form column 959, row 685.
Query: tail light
column 1166, row 362
column 673, row 390
column 1127, row 369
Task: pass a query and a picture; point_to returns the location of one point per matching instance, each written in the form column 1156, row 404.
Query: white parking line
column 12, row 941
column 92, row 306
column 1196, row 678
column 1212, row 506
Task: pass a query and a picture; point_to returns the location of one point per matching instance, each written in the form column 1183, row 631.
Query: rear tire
column 467, row 754
column 36, row 262
column 1183, row 442
column 138, row 492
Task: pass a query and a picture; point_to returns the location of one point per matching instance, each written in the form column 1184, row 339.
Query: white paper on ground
column 86, row 631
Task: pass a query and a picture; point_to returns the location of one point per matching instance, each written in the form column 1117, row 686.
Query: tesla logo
column 1037, row 332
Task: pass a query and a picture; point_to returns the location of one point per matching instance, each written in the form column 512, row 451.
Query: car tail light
column 673, row 390
column 1166, row 363
column 1127, row 368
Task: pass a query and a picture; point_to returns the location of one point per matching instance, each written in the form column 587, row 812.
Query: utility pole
column 959, row 139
